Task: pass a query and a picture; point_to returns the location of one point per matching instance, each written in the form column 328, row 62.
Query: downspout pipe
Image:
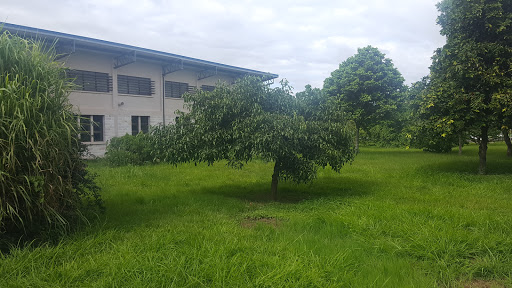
column 163, row 99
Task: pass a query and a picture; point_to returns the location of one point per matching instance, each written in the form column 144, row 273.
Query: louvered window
column 90, row 81
column 135, row 85
column 177, row 89
column 207, row 87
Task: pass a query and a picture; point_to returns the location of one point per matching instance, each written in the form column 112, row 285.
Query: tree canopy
column 471, row 75
column 250, row 120
column 367, row 87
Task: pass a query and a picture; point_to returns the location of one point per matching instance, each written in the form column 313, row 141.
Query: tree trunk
column 461, row 143
column 506, row 136
column 482, row 150
column 357, row 139
column 275, row 181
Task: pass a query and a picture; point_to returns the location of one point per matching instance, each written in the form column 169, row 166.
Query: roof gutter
column 18, row 29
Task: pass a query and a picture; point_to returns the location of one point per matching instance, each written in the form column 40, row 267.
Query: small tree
column 43, row 181
column 251, row 120
column 367, row 87
column 435, row 132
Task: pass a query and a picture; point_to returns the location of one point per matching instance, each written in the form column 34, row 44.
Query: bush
column 440, row 145
column 383, row 135
column 432, row 139
column 129, row 150
column 44, row 183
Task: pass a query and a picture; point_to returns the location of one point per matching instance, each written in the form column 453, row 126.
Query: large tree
column 367, row 87
column 250, row 120
column 472, row 73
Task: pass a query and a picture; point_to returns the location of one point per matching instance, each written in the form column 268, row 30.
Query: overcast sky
column 301, row 40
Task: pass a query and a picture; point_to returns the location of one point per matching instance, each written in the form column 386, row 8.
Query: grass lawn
column 394, row 218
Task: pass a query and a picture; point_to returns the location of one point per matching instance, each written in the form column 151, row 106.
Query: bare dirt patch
column 483, row 284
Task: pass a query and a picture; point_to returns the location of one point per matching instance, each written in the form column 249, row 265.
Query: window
column 91, row 128
column 207, row 87
column 177, row 89
column 90, row 81
column 140, row 124
column 135, row 85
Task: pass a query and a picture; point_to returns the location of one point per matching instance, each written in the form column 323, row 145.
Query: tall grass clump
column 44, row 184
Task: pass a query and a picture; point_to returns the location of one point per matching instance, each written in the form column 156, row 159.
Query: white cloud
column 302, row 40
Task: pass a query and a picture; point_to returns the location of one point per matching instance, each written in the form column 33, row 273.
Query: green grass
column 394, row 218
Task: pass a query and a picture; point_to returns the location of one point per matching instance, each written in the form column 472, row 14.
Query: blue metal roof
column 120, row 48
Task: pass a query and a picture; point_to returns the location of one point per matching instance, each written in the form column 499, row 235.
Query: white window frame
column 92, row 124
column 139, row 124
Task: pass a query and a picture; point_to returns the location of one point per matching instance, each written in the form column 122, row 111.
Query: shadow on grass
column 468, row 164
column 130, row 209
column 289, row 192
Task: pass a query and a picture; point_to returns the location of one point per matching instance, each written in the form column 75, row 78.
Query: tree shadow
column 131, row 211
column 123, row 214
column 289, row 192
column 469, row 165
column 128, row 212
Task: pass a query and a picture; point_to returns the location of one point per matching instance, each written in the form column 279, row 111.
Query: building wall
column 118, row 108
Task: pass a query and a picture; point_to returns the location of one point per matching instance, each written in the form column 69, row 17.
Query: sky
column 301, row 40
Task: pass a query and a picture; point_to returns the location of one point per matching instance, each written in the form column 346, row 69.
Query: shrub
column 129, row 150
column 383, row 135
column 432, row 139
column 44, row 184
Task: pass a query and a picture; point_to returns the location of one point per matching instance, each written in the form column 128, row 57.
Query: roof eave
column 163, row 56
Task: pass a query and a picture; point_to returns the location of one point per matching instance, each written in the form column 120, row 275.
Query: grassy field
column 394, row 218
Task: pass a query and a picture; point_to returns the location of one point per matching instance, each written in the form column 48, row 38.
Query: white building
column 123, row 89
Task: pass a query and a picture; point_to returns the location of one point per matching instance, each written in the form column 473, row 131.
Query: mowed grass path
column 394, row 218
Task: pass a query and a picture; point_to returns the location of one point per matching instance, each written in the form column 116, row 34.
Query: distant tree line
column 466, row 97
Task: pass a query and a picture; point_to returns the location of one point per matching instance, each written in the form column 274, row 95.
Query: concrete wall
column 116, row 108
